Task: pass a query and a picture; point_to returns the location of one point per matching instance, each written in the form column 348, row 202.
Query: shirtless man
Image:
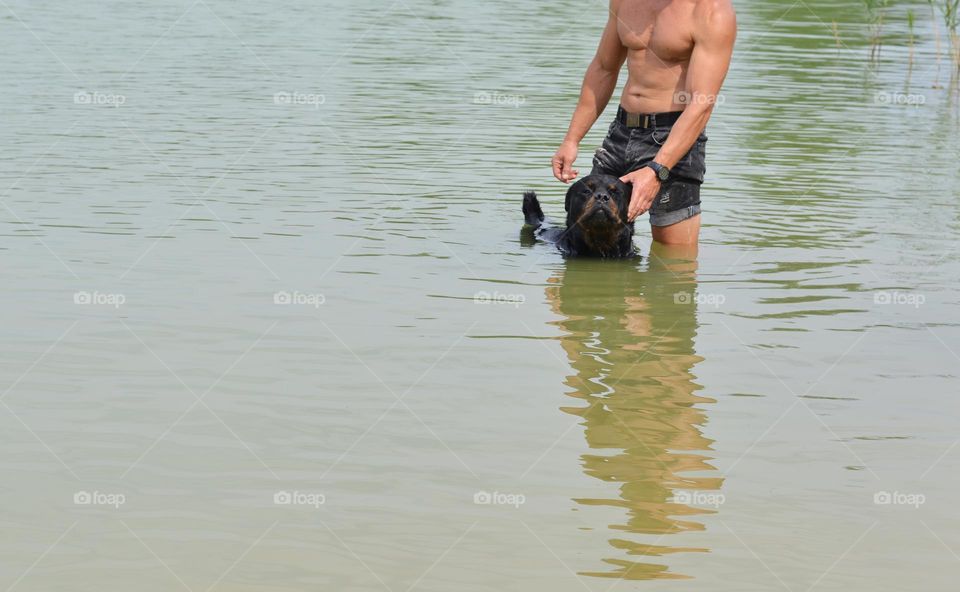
column 677, row 54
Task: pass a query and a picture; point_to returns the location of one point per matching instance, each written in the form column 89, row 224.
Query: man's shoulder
column 713, row 10
column 715, row 17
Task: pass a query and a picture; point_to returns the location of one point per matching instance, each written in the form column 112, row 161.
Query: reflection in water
column 629, row 334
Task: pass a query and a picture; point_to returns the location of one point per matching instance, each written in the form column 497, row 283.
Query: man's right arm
column 598, row 85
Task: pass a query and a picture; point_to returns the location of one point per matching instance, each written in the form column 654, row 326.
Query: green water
column 721, row 424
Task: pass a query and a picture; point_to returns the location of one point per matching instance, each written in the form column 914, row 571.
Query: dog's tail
column 532, row 212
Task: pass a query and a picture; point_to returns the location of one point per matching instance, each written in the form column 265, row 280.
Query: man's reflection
column 629, row 333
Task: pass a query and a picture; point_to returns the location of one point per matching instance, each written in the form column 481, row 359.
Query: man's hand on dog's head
column 646, row 185
column 563, row 161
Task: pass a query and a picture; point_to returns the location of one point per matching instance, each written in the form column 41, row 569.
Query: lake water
column 268, row 323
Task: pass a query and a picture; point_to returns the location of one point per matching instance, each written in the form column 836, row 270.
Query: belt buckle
column 646, row 121
column 633, row 120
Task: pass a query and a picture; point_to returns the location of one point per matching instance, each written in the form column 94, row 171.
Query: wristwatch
column 663, row 173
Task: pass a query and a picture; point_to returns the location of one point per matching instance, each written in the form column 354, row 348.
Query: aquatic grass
column 950, row 10
column 936, row 36
column 911, row 23
column 952, row 19
column 875, row 12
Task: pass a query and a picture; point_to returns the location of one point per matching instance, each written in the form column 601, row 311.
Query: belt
column 647, row 120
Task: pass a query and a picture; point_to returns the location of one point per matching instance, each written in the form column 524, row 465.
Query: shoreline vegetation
column 943, row 13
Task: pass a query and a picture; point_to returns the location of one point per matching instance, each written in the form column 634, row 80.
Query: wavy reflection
column 629, row 334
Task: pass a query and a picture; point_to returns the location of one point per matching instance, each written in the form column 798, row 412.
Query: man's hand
column 563, row 162
column 646, row 185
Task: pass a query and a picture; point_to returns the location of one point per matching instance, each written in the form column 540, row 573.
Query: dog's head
column 597, row 207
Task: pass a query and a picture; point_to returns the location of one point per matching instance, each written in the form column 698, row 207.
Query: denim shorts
column 629, row 149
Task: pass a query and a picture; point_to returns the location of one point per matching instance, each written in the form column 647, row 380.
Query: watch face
column 663, row 173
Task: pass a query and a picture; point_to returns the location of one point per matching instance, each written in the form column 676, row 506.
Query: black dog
column 597, row 223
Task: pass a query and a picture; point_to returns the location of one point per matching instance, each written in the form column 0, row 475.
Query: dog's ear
column 574, row 190
column 623, row 189
column 623, row 192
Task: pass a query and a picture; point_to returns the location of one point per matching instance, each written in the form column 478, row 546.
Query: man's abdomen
column 652, row 85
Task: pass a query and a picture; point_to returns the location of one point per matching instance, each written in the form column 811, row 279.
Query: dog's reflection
column 629, row 332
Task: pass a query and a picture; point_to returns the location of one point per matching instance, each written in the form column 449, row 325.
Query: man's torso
column 658, row 35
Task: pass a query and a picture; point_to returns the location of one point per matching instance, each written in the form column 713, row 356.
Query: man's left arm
column 715, row 31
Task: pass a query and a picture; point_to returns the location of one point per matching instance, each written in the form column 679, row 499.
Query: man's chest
column 662, row 26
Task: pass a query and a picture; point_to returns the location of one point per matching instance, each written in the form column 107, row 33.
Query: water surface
column 724, row 424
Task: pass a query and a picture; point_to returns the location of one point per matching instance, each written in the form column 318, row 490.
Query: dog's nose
column 603, row 197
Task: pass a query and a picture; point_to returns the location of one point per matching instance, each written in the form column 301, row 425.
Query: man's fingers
column 632, row 209
column 559, row 164
column 642, row 208
column 638, row 205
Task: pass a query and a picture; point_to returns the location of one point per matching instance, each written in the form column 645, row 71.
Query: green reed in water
column 950, row 9
column 875, row 11
column 911, row 22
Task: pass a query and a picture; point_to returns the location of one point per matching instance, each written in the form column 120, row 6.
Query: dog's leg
column 532, row 213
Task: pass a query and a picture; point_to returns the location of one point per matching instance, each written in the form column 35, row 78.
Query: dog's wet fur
column 597, row 223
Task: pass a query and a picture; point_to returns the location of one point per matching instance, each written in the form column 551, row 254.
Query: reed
column 911, row 23
column 936, row 36
column 952, row 18
column 950, row 10
column 875, row 12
